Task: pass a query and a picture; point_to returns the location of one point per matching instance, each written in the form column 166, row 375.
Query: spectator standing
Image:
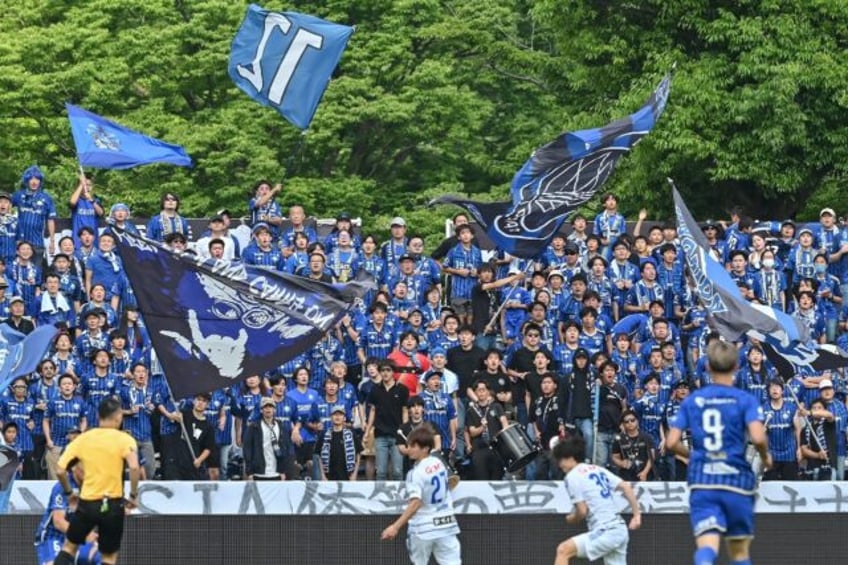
column 633, row 450
column 264, row 208
column 388, row 410
column 339, row 449
column 818, row 443
column 612, row 401
column 86, row 208
column 410, row 365
column 783, row 426
column 201, row 437
column 266, row 446
column 392, row 250
column 8, row 228
column 36, row 211
column 484, row 421
column 137, row 404
column 609, row 224
column 66, row 411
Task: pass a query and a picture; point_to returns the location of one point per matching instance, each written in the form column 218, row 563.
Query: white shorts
column 611, row 544
column 445, row 550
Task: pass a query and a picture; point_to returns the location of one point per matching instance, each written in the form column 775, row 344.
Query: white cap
column 825, row 383
column 827, row 211
column 398, row 221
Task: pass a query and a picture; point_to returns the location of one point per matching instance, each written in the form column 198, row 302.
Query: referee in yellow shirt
column 103, row 452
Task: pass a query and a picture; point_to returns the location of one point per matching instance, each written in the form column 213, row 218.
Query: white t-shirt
column 596, row 487
column 269, row 438
column 428, row 482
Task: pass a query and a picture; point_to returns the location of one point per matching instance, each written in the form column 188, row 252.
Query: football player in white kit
column 592, row 492
column 433, row 529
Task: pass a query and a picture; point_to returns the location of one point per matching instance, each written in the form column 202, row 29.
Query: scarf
column 113, row 260
column 349, row 447
column 54, row 304
column 413, row 358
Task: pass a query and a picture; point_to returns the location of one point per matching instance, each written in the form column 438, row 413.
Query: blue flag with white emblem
column 104, row 144
column 214, row 323
column 20, row 354
column 285, row 60
column 786, row 340
column 558, row 178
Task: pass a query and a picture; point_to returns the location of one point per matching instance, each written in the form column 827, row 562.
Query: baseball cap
column 398, row 221
column 336, row 408
column 710, row 224
column 216, row 218
column 805, row 230
column 260, row 226
column 267, row 402
column 405, row 257
column 571, row 246
column 343, row 216
column 825, row 383
column 787, row 223
column 827, row 211
column 223, row 212
column 6, row 195
column 683, row 383
column 3, row 283
column 438, row 351
column 556, row 273
column 15, row 299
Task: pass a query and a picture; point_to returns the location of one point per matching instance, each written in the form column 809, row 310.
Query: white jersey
column 595, row 486
column 428, row 482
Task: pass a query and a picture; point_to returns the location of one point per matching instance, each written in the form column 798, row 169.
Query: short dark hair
column 422, row 436
column 572, row 447
column 108, row 407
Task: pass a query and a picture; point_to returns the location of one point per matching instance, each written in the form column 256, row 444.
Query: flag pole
column 490, row 326
column 184, row 431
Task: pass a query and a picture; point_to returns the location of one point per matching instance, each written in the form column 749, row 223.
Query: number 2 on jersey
column 713, row 429
column 439, row 483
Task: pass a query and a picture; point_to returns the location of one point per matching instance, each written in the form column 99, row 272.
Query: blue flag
column 213, row 323
column 786, row 340
column 558, row 178
column 20, row 354
column 103, row 144
column 285, row 60
column 9, row 462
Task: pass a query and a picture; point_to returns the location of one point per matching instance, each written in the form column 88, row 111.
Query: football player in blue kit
column 721, row 481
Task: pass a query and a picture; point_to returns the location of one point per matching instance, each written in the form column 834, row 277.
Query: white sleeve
column 574, row 488
column 413, row 486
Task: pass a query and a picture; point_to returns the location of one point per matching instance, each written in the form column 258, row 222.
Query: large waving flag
column 9, row 462
column 558, row 178
column 213, row 323
column 285, row 60
column 103, row 144
column 20, row 354
column 786, row 340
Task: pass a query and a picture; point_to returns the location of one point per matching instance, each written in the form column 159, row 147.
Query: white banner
column 471, row 497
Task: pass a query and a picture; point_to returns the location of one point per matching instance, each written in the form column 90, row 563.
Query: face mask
column 821, row 268
column 768, row 263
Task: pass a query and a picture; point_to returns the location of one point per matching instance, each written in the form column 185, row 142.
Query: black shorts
column 303, row 452
column 214, row 459
column 109, row 522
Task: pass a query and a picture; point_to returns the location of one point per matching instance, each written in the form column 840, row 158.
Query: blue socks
column 706, row 556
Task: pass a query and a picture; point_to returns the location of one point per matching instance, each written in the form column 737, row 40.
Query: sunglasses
column 571, row 253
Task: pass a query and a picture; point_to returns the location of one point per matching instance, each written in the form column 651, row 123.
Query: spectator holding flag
column 263, row 208
column 86, row 208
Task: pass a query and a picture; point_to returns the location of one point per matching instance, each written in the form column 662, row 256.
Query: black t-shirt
column 388, row 406
column 533, row 381
column 826, row 432
column 545, row 411
column 492, row 413
column 521, row 362
column 637, row 450
column 464, row 364
column 484, row 304
column 610, row 407
column 498, row 382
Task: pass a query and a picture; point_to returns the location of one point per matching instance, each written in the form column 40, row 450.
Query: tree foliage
column 434, row 96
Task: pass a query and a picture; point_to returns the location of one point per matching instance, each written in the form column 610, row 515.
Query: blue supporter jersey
column 755, row 382
column 271, row 209
column 83, row 215
column 46, row 531
column 673, row 283
column 377, row 342
column 593, row 343
column 221, row 402
column 439, row 338
column 307, row 410
column 271, row 258
column 828, row 241
column 296, row 262
column 718, row 418
column 439, row 410
column 391, row 251
column 321, row 356
column 21, row 413
column 286, row 412
column 650, row 413
column 84, row 346
column 94, row 389
column 64, row 414
column 799, row 262
column 41, row 395
column 609, row 226
column 416, row 286
column 332, row 241
column 780, row 425
column 616, row 272
column 160, row 225
column 34, row 209
column 245, row 408
column 287, row 236
column 461, row 257
column 105, row 269
column 341, row 264
column 140, row 425
column 374, row 266
column 28, row 279
column 8, row 237
column 71, row 285
column 641, row 294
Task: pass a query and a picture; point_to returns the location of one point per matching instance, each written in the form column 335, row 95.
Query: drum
column 515, row 448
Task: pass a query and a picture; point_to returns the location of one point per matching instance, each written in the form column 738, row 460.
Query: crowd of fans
column 601, row 335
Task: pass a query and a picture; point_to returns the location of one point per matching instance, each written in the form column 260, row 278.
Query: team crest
column 103, row 139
